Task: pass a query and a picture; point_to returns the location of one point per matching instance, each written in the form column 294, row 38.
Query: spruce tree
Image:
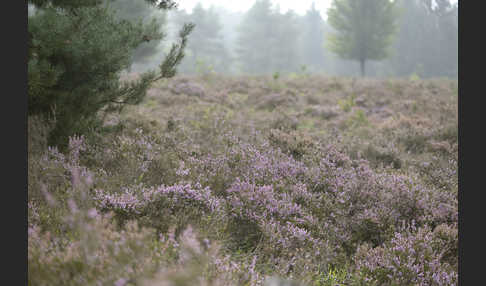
column 77, row 51
column 364, row 29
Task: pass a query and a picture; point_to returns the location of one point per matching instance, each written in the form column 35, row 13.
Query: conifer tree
column 313, row 39
column 409, row 42
column 426, row 43
column 364, row 29
column 284, row 42
column 77, row 51
column 206, row 45
column 268, row 41
column 254, row 33
column 445, row 19
column 154, row 19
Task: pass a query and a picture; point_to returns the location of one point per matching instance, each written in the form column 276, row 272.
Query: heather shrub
column 53, row 174
column 187, row 88
column 129, row 158
column 414, row 256
column 414, row 141
column 100, row 254
column 69, row 242
column 262, row 203
column 294, row 143
column 222, row 193
column 323, row 112
column 160, row 207
column 92, row 247
column 284, row 122
column 378, row 155
column 99, row 251
column 449, row 133
column 440, row 173
column 366, row 205
column 244, row 234
column 275, row 100
column 312, row 99
column 446, row 241
column 257, row 205
column 202, row 263
column 259, row 164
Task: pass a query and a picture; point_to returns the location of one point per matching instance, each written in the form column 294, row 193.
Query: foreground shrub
column 412, row 257
column 100, row 254
column 363, row 205
column 260, row 202
column 159, row 207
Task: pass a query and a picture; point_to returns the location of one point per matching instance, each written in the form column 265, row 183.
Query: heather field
column 283, row 180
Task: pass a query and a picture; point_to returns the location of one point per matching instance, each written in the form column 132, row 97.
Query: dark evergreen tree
column 77, row 51
column 154, row 20
column 364, row 29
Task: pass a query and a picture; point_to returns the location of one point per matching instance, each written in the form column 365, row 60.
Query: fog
column 293, row 37
column 299, row 7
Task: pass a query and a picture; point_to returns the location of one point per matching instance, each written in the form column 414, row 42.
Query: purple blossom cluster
column 327, row 197
column 357, row 196
column 137, row 199
column 409, row 258
column 261, row 202
column 283, row 222
column 262, row 165
column 324, row 202
column 58, row 168
column 319, row 202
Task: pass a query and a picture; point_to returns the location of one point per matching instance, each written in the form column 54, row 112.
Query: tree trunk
column 362, row 66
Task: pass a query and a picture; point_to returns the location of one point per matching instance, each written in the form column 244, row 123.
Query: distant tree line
column 419, row 37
